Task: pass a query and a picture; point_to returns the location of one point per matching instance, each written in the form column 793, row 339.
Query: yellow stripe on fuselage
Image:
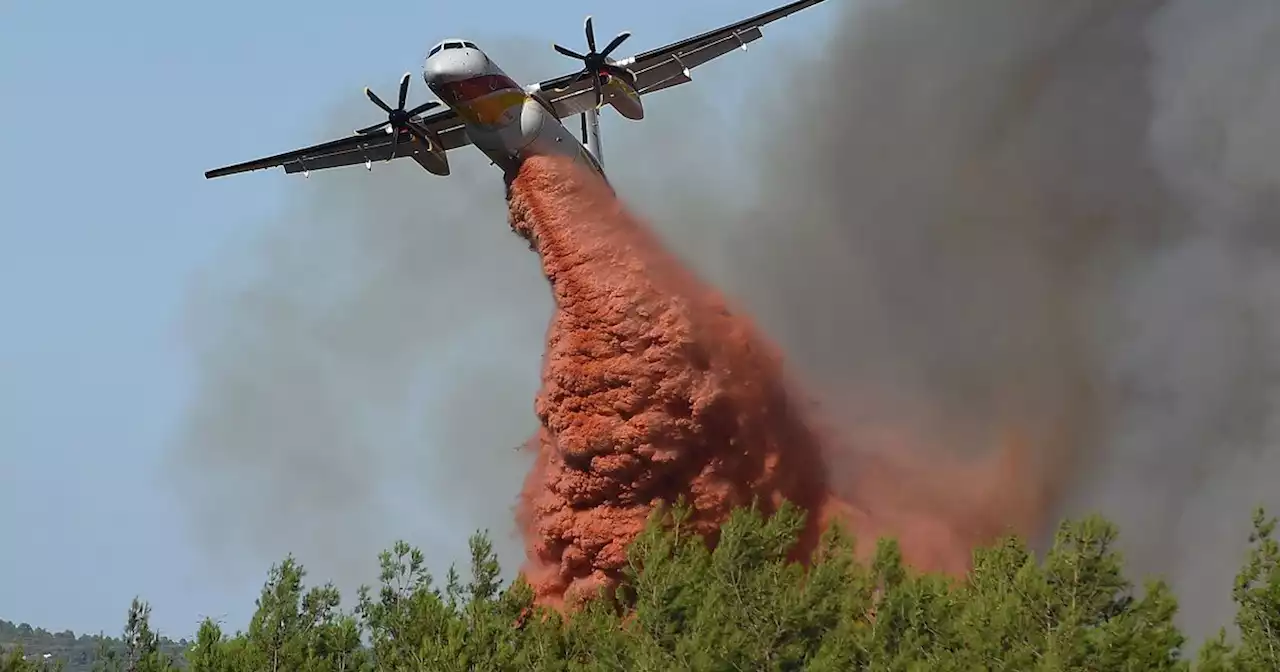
column 488, row 110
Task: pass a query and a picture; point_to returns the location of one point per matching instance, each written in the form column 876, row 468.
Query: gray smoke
column 371, row 379
column 1191, row 344
column 371, row 373
column 1054, row 218
column 959, row 180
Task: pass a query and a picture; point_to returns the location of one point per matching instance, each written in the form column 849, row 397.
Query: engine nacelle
column 432, row 158
column 624, row 98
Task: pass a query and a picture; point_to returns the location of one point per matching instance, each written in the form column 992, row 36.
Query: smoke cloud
column 371, row 377
column 366, row 370
column 1190, row 343
column 1012, row 222
column 1049, row 219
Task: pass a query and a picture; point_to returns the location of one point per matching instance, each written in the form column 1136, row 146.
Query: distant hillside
column 77, row 651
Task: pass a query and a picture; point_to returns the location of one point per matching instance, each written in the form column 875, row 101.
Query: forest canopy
column 739, row 606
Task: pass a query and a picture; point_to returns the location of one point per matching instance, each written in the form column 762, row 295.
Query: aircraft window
column 435, row 50
column 453, row 45
column 469, row 45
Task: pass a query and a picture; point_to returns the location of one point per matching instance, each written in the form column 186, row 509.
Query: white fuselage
column 502, row 119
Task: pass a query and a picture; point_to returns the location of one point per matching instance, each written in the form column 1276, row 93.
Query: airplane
column 486, row 108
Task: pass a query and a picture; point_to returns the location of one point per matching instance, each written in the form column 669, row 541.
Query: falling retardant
column 655, row 389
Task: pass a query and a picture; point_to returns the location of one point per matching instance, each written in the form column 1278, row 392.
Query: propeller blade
column 395, row 141
column 369, row 129
column 376, row 100
column 404, row 89
column 423, row 108
column 595, row 84
column 591, row 34
column 569, row 52
column 616, row 41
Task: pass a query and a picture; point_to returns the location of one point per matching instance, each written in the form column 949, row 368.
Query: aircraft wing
column 669, row 66
column 356, row 149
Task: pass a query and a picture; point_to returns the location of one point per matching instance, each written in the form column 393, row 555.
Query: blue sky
column 113, row 112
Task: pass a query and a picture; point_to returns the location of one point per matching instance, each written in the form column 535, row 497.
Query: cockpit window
column 451, row 45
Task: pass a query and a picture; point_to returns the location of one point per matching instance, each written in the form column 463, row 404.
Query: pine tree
column 740, row 604
column 1257, row 594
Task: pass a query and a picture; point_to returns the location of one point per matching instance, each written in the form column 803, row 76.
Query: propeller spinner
column 596, row 65
column 398, row 118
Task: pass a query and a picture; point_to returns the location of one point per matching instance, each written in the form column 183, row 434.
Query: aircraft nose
column 454, row 64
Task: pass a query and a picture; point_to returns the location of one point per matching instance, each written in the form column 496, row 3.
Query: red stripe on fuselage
column 465, row 90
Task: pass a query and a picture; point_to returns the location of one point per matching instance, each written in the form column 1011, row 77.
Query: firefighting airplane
column 484, row 107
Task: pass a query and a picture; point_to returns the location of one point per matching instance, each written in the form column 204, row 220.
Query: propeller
column 596, row 65
column 398, row 118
